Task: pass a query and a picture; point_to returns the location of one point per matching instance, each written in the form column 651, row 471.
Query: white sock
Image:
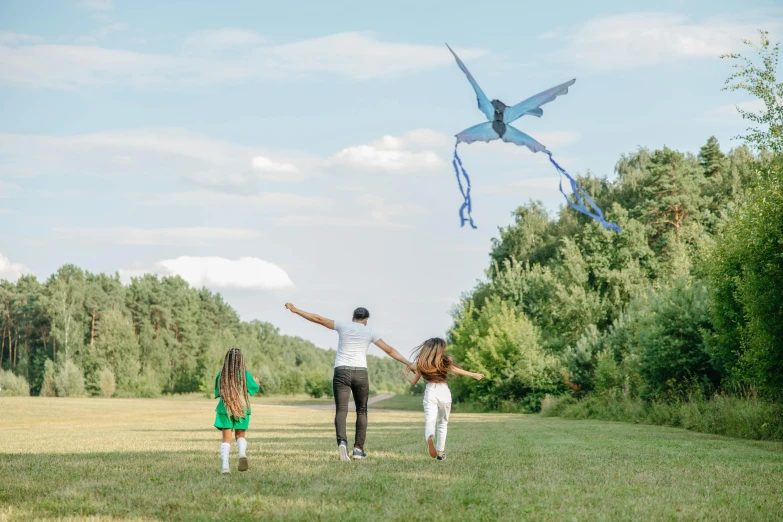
column 225, row 449
column 242, row 443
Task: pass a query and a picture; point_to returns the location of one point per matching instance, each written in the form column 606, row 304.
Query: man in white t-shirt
column 350, row 373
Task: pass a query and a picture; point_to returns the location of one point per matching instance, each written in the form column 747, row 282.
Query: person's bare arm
column 313, row 318
column 394, row 354
column 460, row 371
column 412, row 376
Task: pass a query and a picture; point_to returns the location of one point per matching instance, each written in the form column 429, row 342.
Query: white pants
column 437, row 406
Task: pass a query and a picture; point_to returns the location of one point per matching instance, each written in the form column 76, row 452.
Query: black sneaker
column 358, row 454
column 343, row 449
column 442, row 457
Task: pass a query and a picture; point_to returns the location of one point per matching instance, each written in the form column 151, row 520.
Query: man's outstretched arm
column 313, row 318
column 394, row 354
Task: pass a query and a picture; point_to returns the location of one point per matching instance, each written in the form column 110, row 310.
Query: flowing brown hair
column 233, row 384
column 431, row 359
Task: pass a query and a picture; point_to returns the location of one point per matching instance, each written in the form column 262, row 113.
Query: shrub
column 745, row 416
column 69, row 381
column 47, row 388
column 106, row 381
column 501, row 343
column 13, row 385
column 672, row 352
column 318, row 385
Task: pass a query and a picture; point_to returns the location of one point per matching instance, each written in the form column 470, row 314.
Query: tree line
column 80, row 333
column 684, row 303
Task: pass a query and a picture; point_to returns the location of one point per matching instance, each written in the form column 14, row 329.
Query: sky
column 301, row 151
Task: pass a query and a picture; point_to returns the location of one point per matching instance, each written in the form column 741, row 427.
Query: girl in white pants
column 434, row 365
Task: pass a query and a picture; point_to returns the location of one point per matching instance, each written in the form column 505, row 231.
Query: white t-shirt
column 355, row 339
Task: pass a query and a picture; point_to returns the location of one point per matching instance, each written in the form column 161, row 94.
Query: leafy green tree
column 673, row 354
column 746, row 271
column 761, row 82
column 116, row 348
column 501, row 343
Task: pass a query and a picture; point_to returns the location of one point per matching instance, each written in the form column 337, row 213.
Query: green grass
column 104, row 459
column 400, row 402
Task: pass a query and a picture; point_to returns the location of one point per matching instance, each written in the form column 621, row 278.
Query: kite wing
column 484, row 104
column 532, row 106
column 517, row 137
column 480, row 132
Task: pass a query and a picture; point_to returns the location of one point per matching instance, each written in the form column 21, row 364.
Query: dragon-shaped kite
column 500, row 117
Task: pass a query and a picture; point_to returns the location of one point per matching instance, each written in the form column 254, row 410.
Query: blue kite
column 500, row 116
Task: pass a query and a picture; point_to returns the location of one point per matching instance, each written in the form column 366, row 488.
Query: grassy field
column 401, row 402
column 102, row 459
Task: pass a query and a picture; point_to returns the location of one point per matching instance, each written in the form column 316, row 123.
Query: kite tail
column 467, row 205
column 580, row 206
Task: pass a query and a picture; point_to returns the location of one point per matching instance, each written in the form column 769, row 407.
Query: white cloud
column 177, row 153
column 395, row 155
column 8, row 38
column 182, row 236
column 362, row 56
column 634, row 40
column 380, row 215
column 275, row 170
column 221, row 40
column 101, row 34
column 260, row 202
column 535, row 188
column 11, row 271
column 730, row 114
column 219, row 273
column 222, row 56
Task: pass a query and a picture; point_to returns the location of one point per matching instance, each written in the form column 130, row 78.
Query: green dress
column 222, row 420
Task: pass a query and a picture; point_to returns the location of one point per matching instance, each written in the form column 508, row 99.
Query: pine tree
column 711, row 159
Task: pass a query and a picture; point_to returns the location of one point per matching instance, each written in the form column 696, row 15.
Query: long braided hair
column 432, row 361
column 233, row 385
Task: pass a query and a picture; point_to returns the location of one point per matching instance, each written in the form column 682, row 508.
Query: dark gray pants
column 346, row 380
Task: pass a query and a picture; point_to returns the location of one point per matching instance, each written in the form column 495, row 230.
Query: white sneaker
column 225, row 471
column 343, row 449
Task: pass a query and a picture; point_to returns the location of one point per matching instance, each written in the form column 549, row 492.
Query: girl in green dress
column 234, row 385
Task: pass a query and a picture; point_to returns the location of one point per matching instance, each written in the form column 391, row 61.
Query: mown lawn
column 158, row 460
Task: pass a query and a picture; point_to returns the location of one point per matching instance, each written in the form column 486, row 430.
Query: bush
column 744, row 416
column 317, row 385
column 745, row 268
column 106, row 381
column 552, row 406
column 47, row 387
column 673, row 355
column 69, row 381
column 292, row 382
column 12, row 385
column 269, row 383
column 501, row 343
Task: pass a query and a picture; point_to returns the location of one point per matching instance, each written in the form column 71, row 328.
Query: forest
column 84, row 334
column 676, row 319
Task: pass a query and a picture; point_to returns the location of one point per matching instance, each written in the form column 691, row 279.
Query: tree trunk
column 92, row 332
column 43, row 338
column 15, row 346
column 67, row 327
column 2, row 347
